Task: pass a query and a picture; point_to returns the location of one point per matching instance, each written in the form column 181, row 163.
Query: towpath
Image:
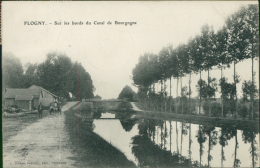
column 41, row 144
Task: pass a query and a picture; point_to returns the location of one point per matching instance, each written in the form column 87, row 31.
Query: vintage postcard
column 130, row 84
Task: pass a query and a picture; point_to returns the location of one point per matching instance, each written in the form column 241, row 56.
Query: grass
column 12, row 125
column 91, row 150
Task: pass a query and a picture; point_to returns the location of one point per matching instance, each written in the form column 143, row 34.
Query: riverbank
column 196, row 119
column 91, row 150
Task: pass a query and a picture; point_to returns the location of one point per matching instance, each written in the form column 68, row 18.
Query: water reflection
column 164, row 143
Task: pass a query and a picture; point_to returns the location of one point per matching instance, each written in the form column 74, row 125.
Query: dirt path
column 135, row 107
column 41, row 144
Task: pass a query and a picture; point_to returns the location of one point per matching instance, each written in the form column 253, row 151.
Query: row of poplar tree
column 236, row 41
column 58, row 74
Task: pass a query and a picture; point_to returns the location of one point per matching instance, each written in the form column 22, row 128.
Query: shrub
column 216, row 109
column 242, row 110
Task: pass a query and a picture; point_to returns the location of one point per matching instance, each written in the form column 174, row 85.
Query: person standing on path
column 40, row 110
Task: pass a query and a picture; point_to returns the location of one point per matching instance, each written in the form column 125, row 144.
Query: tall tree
column 174, row 60
column 198, row 61
column 30, row 76
column 192, row 50
column 221, row 54
column 82, row 84
column 128, row 93
column 251, row 34
column 60, row 76
column 12, row 71
column 236, row 43
column 184, row 66
column 164, row 57
column 54, row 74
column 141, row 77
column 207, row 47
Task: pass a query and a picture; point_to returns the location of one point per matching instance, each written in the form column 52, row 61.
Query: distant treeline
column 236, row 41
column 57, row 73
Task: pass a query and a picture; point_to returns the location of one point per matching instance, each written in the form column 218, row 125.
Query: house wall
column 47, row 101
column 23, row 104
column 35, row 102
column 9, row 102
column 45, row 98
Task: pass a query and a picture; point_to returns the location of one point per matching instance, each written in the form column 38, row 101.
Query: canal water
column 167, row 143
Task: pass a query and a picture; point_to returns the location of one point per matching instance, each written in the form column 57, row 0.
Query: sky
column 110, row 52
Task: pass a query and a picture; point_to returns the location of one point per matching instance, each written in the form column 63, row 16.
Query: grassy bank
column 90, row 149
column 12, row 125
column 197, row 119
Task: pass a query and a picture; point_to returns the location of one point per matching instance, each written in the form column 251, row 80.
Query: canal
column 169, row 143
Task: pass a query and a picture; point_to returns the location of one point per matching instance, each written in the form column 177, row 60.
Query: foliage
column 249, row 88
column 242, row 110
column 206, row 90
column 30, row 76
column 57, row 73
column 12, row 71
column 81, row 82
column 221, row 48
column 128, row 93
column 215, row 108
column 97, row 97
column 228, row 92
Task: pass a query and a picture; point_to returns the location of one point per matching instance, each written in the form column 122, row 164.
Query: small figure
column 40, row 110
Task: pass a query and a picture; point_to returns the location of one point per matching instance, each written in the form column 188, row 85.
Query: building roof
column 23, row 97
column 12, row 93
column 34, row 91
column 38, row 89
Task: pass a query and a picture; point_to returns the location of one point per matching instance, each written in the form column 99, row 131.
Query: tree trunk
column 154, row 101
column 153, row 135
column 222, row 155
column 253, row 149
column 200, row 145
column 209, row 150
column 252, row 96
column 171, row 136
column 149, row 101
column 177, row 137
column 181, row 136
column 208, row 95
column 176, row 106
column 170, row 94
column 200, row 94
column 164, row 96
column 222, row 106
column 235, row 151
column 189, row 93
column 181, row 98
column 161, row 136
column 190, row 143
column 235, row 97
column 161, row 94
column 165, row 129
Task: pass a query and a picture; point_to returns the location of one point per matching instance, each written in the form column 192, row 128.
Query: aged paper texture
column 130, row 84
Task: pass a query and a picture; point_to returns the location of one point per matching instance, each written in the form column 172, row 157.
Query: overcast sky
column 110, row 52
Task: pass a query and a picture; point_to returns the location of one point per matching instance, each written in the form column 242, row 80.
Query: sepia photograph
column 131, row 84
